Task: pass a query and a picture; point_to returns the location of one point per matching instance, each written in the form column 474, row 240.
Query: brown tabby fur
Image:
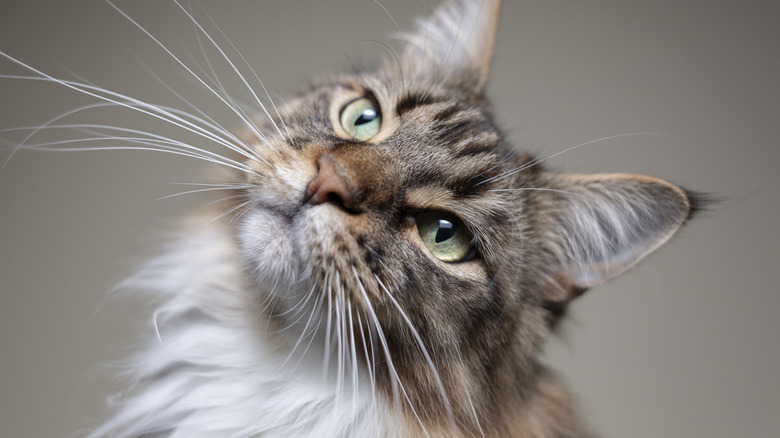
column 484, row 321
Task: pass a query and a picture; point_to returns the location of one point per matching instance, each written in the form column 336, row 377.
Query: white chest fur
column 216, row 369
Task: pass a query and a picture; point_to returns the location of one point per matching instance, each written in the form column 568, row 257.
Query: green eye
column 361, row 118
column 445, row 236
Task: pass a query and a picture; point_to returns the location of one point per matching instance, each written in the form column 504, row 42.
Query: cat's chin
column 268, row 249
column 280, row 249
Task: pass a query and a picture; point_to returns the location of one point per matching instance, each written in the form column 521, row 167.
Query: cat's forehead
column 396, row 92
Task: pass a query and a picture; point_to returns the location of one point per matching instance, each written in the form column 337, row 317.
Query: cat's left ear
column 455, row 43
column 603, row 224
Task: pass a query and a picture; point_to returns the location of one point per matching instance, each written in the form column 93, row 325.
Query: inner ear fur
column 454, row 43
column 603, row 224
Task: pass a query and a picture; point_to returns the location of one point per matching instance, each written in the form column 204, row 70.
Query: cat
column 386, row 264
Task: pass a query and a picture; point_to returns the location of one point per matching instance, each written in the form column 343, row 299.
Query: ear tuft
column 700, row 202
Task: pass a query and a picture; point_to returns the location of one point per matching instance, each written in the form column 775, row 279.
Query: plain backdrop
column 685, row 345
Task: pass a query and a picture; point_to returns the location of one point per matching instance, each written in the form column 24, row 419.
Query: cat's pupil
column 445, row 236
column 446, row 230
column 361, row 118
column 366, row 116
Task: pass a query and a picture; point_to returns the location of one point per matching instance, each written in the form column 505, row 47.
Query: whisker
column 304, row 331
column 230, row 211
column 316, row 329
column 386, row 349
column 171, row 116
column 369, row 360
column 389, row 15
column 540, row 189
column 340, row 351
column 260, row 82
column 353, row 349
column 150, row 139
column 203, row 118
column 230, row 62
column 328, row 326
column 587, row 143
column 251, row 125
column 423, row 350
column 215, row 201
column 155, row 143
column 157, row 148
column 217, row 83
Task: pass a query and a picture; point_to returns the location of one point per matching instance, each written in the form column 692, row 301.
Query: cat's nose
column 330, row 186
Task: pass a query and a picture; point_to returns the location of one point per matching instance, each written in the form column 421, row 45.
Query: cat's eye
column 445, row 236
column 361, row 118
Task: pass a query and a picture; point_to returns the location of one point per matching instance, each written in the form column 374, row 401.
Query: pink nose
column 330, row 186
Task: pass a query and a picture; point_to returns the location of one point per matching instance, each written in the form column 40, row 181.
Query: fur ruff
column 215, row 369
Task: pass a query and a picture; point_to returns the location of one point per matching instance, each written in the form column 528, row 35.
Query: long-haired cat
column 386, row 265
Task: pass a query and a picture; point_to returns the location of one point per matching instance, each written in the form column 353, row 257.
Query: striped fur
column 289, row 318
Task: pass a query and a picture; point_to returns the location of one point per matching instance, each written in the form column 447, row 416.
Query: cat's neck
column 213, row 337
column 492, row 401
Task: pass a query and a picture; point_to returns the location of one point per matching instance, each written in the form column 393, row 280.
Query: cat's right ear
column 601, row 225
column 455, row 43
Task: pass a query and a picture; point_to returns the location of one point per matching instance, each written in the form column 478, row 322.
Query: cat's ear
column 455, row 42
column 605, row 223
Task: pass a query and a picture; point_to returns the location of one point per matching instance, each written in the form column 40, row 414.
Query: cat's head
column 387, row 207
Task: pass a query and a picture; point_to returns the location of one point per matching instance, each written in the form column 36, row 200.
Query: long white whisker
column 369, row 360
column 232, row 210
column 327, row 289
column 150, row 139
column 598, row 140
column 157, row 148
column 317, row 324
column 203, row 118
column 353, row 349
column 155, row 111
column 473, row 409
column 304, row 331
column 386, row 348
column 214, row 77
column 257, row 77
column 423, row 350
column 150, row 145
column 251, row 125
column 340, row 346
column 232, row 65
column 210, row 189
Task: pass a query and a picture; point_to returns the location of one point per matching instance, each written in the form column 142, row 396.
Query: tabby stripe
column 446, row 115
column 455, row 131
column 412, row 101
column 466, row 187
column 471, row 148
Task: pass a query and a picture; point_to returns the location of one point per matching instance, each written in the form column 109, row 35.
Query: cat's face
column 386, row 207
column 414, row 228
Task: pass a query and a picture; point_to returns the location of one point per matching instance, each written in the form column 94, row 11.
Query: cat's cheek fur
column 268, row 249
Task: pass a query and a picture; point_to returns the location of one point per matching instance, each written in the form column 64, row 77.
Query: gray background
column 685, row 345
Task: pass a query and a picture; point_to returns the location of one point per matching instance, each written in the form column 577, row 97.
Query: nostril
column 329, row 186
column 334, row 198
